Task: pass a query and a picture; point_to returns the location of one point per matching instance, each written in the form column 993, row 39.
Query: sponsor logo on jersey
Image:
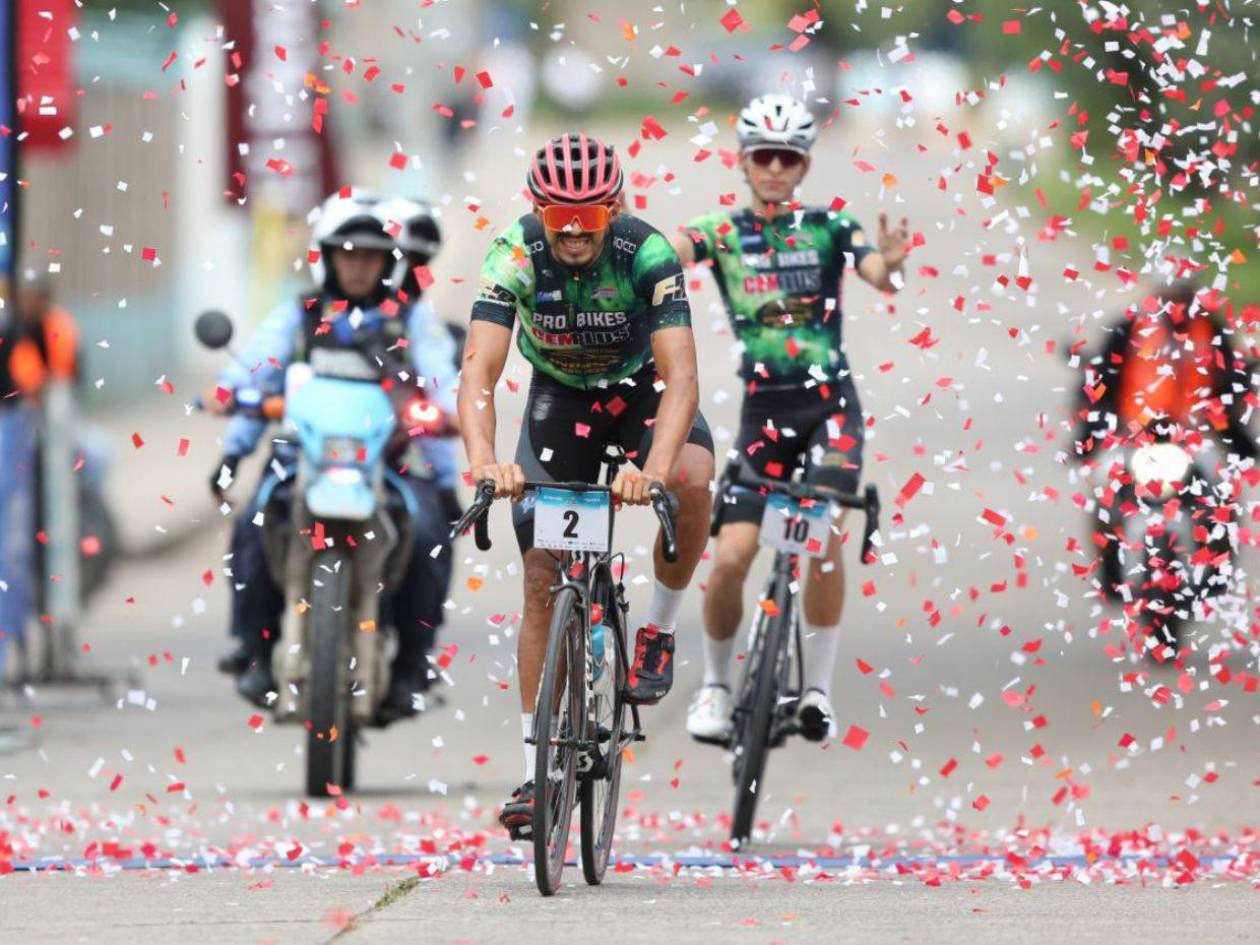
column 554, row 295
column 669, row 289
column 601, row 319
column 800, row 257
column 762, row 282
column 756, row 261
column 622, row 244
column 789, row 282
column 535, row 247
column 604, row 292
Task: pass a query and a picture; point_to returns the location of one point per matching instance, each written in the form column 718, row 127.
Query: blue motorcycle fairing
column 326, row 408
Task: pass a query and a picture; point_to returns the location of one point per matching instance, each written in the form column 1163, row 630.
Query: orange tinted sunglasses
column 590, row 217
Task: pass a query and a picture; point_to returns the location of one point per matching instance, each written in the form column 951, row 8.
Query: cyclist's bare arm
column 674, row 350
column 685, row 248
column 485, row 354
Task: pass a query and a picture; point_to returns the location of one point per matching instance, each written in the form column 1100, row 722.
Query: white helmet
column 417, row 236
column 352, row 222
column 778, row 121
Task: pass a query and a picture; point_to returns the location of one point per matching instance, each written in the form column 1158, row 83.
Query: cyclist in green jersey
column 599, row 304
column 778, row 266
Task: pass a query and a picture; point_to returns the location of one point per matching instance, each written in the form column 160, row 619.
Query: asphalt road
column 998, row 724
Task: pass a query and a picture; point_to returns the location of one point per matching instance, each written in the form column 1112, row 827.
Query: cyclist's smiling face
column 776, row 180
column 574, row 246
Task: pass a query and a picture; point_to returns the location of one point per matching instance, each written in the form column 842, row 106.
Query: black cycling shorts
column 566, row 431
column 781, row 428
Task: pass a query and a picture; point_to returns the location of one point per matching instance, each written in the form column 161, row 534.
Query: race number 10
column 789, row 526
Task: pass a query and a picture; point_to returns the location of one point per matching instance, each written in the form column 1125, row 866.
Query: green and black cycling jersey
column 780, row 280
column 587, row 327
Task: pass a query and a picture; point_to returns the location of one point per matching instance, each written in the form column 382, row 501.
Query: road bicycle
column 582, row 721
column 797, row 524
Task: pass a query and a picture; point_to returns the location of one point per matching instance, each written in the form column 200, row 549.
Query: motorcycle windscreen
column 341, row 422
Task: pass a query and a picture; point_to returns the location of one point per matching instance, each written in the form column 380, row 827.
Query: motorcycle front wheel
column 330, row 731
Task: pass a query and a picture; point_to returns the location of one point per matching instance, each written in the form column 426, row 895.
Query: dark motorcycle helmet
column 349, row 222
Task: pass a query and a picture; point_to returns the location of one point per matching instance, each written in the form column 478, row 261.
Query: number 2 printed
column 571, row 520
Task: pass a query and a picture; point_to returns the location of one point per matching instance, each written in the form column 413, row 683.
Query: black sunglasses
column 764, row 157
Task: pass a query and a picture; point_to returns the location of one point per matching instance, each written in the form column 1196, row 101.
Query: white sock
column 527, row 731
column 717, row 660
column 662, row 613
column 821, row 645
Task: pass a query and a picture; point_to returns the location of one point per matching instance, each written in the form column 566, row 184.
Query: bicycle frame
column 763, row 718
column 788, row 658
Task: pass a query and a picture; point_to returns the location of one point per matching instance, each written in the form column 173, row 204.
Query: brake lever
column 665, row 505
column 476, row 516
column 872, row 523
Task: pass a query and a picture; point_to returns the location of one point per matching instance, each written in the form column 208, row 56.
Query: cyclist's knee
column 539, row 576
column 732, row 563
column 692, row 472
column 693, row 496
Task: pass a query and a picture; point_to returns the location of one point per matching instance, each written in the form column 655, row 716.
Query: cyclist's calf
column 824, row 591
column 733, row 556
column 531, row 648
column 689, row 482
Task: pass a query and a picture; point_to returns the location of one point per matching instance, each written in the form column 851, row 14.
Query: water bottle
column 597, row 649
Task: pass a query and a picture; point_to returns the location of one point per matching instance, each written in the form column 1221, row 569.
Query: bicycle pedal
column 640, row 737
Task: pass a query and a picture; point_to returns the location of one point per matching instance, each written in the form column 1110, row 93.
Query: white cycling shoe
column 709, row 716
column 815, row 715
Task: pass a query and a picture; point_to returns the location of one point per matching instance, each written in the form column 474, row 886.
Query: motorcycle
column 1177, row 515
column 339, row 547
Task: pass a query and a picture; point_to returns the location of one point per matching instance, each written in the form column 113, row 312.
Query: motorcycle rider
column 420, row 239
column 778, row 266
column 1167, row 367
column 605, row 322
column 354, row 257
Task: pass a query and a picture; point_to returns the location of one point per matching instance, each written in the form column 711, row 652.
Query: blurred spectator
column 38, row 342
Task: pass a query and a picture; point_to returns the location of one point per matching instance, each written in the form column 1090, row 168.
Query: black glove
column 231, row 461
column 452, row 508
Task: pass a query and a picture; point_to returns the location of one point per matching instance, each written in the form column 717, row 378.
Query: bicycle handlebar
column 664, row 504
column 737, row 474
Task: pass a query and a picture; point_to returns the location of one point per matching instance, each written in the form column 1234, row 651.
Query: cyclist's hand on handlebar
column 633, row 487
column 508, row 478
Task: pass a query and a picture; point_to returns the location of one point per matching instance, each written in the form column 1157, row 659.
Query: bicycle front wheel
column 559, row 726
column 606, row 713
column 754, row 715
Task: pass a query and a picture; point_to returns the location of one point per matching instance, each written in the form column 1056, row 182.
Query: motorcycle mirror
column 213, row 329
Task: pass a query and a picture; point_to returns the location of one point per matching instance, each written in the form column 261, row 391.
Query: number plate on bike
column 572, row 521
column 788, row 526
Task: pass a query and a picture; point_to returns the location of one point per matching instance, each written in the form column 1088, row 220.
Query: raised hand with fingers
column 894, row 244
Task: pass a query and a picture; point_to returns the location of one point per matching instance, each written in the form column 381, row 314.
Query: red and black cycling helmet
column 575, row 168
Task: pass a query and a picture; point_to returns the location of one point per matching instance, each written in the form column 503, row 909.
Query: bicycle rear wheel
column 560, row 709
column 606, row 712
column 755, row 712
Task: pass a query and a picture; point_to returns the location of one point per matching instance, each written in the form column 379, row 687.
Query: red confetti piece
column 732, row 21
column 137, row 440
column 855, row 738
